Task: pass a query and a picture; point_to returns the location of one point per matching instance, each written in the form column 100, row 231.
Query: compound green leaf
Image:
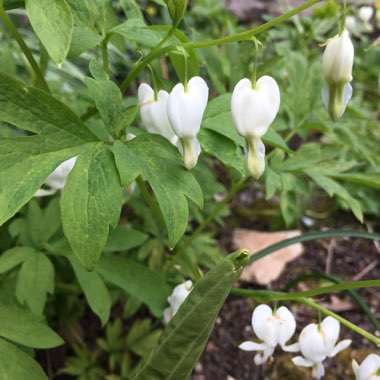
column 25, row 328
column 91, row 201
column 17, row 365
column 184, row 338
column 35, row 280
column 14, row 256
column 53, row 23
column 160, row 163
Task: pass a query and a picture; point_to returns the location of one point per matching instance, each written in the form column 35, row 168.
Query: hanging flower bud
column 185, row 110
column 272, row 328
column 369, row 369
column 317, row 342
column 365, row 14
column 176, row 299
column 253, row 111
column 57, row 180
column 153, row 112
column 338, row 60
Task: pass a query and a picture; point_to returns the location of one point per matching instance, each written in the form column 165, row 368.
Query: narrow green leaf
column 17, row 365
column 53, row 23
column 137, row 280
column 160, row 163
column 184, row 338
column 94, row 289
column 97, row 70
column 25, row 328
column 35, row 279
column 14, row 256
column 91, row 201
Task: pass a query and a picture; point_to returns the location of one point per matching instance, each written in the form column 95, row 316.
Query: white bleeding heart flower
column 365, row 13
column 318, row 342
column 176, row 299
column 369, row 369
column 253, row 111
column 338, row 60
column 272, row 328
column 153, row 112
column 57, row 180
column 185, row 109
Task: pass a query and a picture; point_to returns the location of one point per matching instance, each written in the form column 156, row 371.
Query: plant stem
column 105, row 56
column 29, row 56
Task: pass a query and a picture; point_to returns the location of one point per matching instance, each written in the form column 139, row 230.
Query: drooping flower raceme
column 369, row 369
column 253, row 111
column 175, row 300
column 318, row 342
column 338, row 60
column 57, row 180
column 272, row 328
column 185, row 109
column 153, row 112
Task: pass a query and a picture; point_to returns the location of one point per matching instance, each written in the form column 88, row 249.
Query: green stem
column 312, row 236
column 265, row 296
column 154, row 82
column 149, row 200
column 105, row 56
column 29, row 56
column 254, row 74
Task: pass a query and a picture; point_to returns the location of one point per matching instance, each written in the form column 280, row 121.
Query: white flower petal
column 302, row 362
column 295, row 347
column 287, row 324
column 339, row 347
column 264, row 325
column 145, row 94
column 330, row 329
column 338, row 59
column 368, row 368
column 44, row 193
column 312, row 343
column 262, row 357
column 318, row 371
column 252, row 346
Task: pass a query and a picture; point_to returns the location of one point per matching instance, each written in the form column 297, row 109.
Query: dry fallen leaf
column 270, row 267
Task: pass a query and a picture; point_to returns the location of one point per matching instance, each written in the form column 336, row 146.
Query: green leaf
column 223, row 149
column 12, row 4
column 82, row 40
column 91, row 201
column 17, row 365
column 122, row 239
column 108, row 100
column 137, row 280
column 97, row 70
column 25, row 162
column 184, row 338
column 14, row 256
column 367, row 179
column 160, row 163
column 333, row 188
column 35, row 279
column 141, row 339
column 136, row 30
column 25, row 328
column 94, row 289
column 53, row 23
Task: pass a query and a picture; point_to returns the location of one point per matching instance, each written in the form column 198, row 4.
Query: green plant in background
column 108, row 191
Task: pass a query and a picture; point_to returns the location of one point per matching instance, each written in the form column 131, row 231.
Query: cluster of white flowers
column 176, row 116
column 316, row 342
